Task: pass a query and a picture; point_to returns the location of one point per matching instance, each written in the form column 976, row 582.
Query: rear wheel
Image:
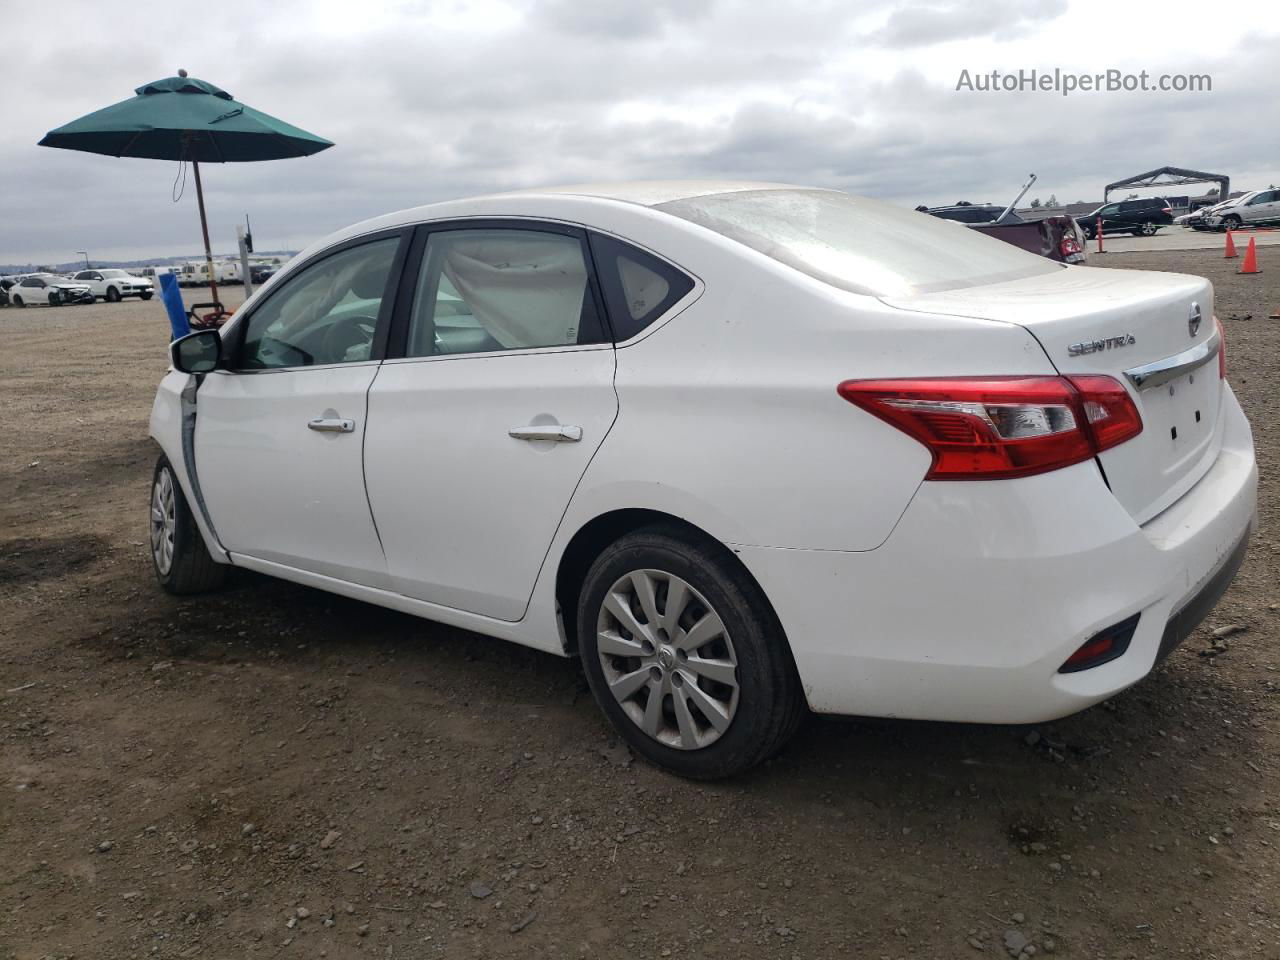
column 1146, row 230
column 181, row 560
column 685, row 656
column 113, row 295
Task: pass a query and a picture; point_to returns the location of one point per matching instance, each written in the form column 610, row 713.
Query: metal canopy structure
column 1174, row 176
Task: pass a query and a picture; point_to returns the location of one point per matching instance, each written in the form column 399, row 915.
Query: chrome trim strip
column 1170, row 368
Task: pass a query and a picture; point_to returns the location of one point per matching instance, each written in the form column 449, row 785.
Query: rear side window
column 638, row 288
column 486, row 290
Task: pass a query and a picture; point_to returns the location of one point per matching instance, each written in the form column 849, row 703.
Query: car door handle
column 331, row 425
column 558, row 432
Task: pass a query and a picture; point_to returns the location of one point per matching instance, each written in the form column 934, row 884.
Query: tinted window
column 638, row 288
column 498, row 289
column 33, row 282
column 84, row 276
column 326, row 313
column 858, row 244
column 1109, row 209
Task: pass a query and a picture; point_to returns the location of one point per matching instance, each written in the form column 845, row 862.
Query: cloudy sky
column 430, row 100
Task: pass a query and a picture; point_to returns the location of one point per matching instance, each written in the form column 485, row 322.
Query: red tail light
column 1222, row 350
column 1070, row 246
column 988, row 428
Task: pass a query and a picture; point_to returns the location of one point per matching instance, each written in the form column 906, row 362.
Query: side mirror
column 198, row 352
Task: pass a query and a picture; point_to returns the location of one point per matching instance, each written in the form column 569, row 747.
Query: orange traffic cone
column 1250, row 264
column 1230, row 252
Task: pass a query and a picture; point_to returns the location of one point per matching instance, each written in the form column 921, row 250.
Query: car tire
column 55, row 299
column 145, row 296
column 722, row 706
column 19, row 302
column 1148, row 229
column 179, row 556
column 113, row 295
column 1232, row 223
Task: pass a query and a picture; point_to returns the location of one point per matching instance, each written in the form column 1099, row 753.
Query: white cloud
column 431, row 100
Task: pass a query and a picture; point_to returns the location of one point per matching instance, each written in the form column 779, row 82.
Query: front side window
column 326, row 313
column 33, row 282
column 638, row 288
column 488, row 290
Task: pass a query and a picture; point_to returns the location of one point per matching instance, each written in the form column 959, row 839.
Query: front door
column 279, row 436
column 479, row 433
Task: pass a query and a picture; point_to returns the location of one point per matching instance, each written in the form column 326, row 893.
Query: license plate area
column 1180, row 416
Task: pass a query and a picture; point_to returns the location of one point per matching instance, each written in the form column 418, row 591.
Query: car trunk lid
column 1138, row 327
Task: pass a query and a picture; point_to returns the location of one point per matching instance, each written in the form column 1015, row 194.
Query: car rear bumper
column 984, row 589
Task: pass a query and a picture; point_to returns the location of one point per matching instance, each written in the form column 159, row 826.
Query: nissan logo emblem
column 1193, row 320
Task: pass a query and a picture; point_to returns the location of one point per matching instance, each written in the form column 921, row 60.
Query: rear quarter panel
column 729, row 416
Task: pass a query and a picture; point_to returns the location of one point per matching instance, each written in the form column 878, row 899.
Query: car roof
column 650, row 193
column 580, row 200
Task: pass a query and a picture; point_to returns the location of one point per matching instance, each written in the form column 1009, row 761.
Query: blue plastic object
column 173, row 304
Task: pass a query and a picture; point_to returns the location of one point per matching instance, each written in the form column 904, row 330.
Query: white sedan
column 48, row 289
column 745, row 449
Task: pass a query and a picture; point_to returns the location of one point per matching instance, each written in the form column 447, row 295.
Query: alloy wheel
column 164, row 522
column 668, row 659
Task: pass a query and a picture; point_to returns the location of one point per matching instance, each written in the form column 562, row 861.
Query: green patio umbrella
column 182, row 118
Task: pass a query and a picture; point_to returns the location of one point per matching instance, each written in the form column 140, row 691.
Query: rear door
column 279, row 437
column 1263, row 208
column 480, row 431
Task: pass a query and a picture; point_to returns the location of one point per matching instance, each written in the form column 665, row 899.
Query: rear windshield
column 861, row 245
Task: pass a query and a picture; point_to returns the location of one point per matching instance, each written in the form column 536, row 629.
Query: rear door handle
column 331, row 425
column 558, row 432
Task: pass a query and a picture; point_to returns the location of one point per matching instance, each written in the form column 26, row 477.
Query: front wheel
column 1146, row 230
column 145, row 296
column 685, row 656
column 178, row 554
column 1232, row 223
column 113, row 295
column 55, row 299
column 19, row 302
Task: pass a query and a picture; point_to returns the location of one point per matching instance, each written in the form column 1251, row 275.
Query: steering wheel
column 347, row 333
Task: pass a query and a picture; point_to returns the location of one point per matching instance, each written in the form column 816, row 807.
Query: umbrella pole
column 204, row 227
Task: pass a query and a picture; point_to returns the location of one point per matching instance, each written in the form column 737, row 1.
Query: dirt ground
column 272, row 771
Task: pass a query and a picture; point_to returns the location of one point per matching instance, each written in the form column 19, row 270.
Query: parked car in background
column 1256, row 209
column 196, row 274
column 155, row 273
column 1057, row 237
column 49, row 289
column 5, row 284
column 114, row 285
column 261, row 272
column 1197, row 219
column 1142, row 217
column 742, row 448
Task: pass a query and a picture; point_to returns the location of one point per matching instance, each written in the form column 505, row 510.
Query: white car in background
column 48, row 289
column 115, row 285
column 1257, row 209
column 742, row 448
